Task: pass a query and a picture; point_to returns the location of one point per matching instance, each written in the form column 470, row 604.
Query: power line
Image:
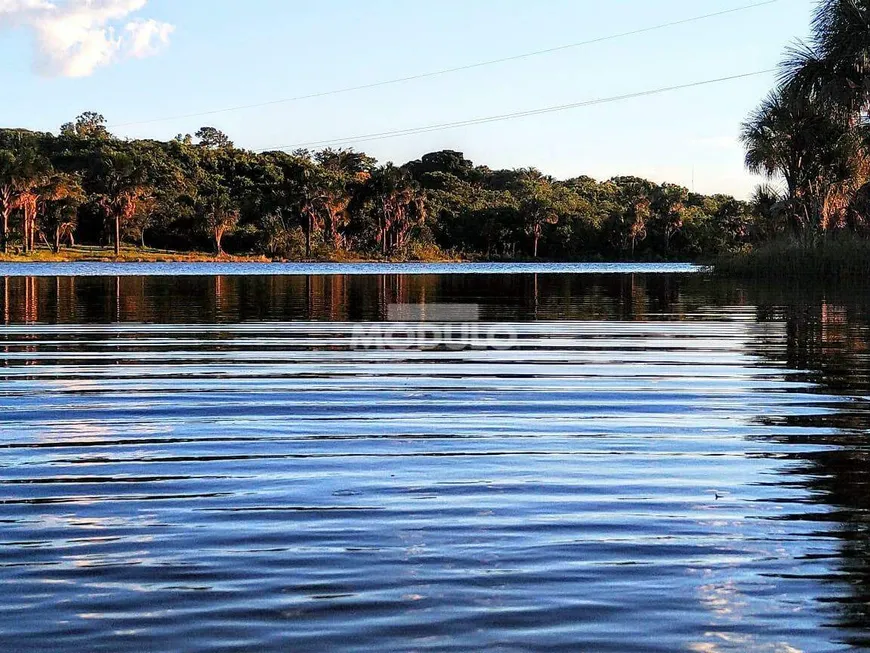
column 447, row 71
column 512, row 116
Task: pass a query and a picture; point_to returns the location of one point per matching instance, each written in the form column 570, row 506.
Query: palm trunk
column 308, row 236
column 117, row 235
column 5, row 230
column 6, row 203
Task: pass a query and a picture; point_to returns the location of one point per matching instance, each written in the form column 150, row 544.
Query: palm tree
column 400, row 205
column 122, row 190
column 811, row 131
column 794, row 136
column 28, row 203
column 841, row 49
column 61, row 198
column 342, row 174
column 767, row 205
column 769, row 136
column 22, row 171
column 219, row 212
column 541, row 203
column 639, row 215
column 302, row 189
column 669, row 206
column 311, row 198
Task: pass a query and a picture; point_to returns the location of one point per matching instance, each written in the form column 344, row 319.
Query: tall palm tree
column 219, row 211
column 342, row 174
column 794, row 136
column 122, row 191
column 61, row 198
column 400, row 205
column 541, row 203
column 303, row 191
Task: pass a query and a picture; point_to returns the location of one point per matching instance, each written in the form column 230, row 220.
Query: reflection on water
column 662, row 462
column 232, row 299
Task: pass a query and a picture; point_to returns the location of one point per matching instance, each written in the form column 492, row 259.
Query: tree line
column 200, row 192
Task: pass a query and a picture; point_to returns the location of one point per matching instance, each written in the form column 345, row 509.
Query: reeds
column 824, row 258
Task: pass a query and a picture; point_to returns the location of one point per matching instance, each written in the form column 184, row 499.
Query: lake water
column 583, row 461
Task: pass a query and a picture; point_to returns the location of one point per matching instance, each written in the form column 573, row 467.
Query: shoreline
column 93, row 254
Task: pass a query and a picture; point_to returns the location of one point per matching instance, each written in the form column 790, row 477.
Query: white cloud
column 147, row 37
column 72, row 38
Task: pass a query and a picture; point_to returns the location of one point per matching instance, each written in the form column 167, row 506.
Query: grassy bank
column 128, row 254
column 845, row 257
column 84, row 253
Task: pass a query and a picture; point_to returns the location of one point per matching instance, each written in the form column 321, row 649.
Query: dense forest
column 205, row 193
column 810, row 137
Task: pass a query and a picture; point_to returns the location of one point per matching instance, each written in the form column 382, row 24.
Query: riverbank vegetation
column 811, row 134
column 202, row 194
column 829, row 257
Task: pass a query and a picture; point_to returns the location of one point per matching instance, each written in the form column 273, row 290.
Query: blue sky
column 198, row 55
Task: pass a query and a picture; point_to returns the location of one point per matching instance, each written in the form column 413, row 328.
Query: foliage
column 811, row 131
column 187, row 193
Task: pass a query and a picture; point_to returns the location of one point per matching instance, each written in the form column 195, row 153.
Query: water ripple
column 601, row 485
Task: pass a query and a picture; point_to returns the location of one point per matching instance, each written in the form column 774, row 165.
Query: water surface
column 97, row 269
column 211, row 463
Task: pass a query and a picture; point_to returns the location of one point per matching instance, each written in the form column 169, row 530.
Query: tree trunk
column 308, row 236
column 5, row 230
column 117, row 235
column 6, row 207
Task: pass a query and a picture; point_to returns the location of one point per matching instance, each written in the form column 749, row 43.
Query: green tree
column 398, row 206
column 89, row 125
column 219, row 213
column 542, row 202
column 669, row 204
column 821, row 160
column 122, row 189
column 213, row 138
column 22, row 171
column 343, row 174
column 61, row 198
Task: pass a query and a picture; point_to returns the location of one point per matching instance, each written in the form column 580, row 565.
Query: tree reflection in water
column 827, row 332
